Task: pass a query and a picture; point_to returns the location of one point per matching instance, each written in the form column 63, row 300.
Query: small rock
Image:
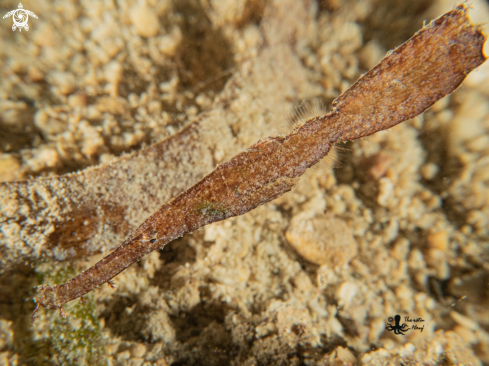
column 346, row 293
column 10, row 168
column 407, row 350
column 113, row 72
column 467, row 335
column 378, row 165
column 438, row 240
column 48, row 125
column 138, row 350
column 135, row 361
column 344, row 356
column 124, row 355
column 168, row 44
column 64, row 82
column 77, row 100
column 441, row 104
column 161, row 362
column 429, row 171
column 464, row 321
column 145, row 21
column 111, row 348
column 35, row 74
column 322, row 240
column 478, row 144
column 386, row 191
column 371, row 54
column 43, row 158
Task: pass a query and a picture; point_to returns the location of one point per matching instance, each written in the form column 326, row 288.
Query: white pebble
column 145, row 21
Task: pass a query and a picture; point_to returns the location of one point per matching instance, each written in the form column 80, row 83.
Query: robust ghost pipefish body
column 411, row 78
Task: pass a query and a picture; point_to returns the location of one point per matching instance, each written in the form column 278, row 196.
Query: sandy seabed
column 399, row 226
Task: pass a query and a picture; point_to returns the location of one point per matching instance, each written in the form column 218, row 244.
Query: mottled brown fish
column 411, row 78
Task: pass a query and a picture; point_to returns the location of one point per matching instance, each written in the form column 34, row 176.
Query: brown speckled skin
column 405, row 83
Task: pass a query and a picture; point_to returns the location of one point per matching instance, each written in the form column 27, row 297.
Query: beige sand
column 409, row 208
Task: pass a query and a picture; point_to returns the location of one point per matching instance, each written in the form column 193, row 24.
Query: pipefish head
column 47, row 297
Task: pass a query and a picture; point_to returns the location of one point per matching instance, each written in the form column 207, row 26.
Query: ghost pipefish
column 411, row 78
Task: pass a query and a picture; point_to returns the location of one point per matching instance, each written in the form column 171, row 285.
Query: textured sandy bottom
column 401, row 227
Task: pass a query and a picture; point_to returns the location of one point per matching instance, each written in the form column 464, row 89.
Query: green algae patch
column 214, row 209
column 76, row 339
column 243, row 172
